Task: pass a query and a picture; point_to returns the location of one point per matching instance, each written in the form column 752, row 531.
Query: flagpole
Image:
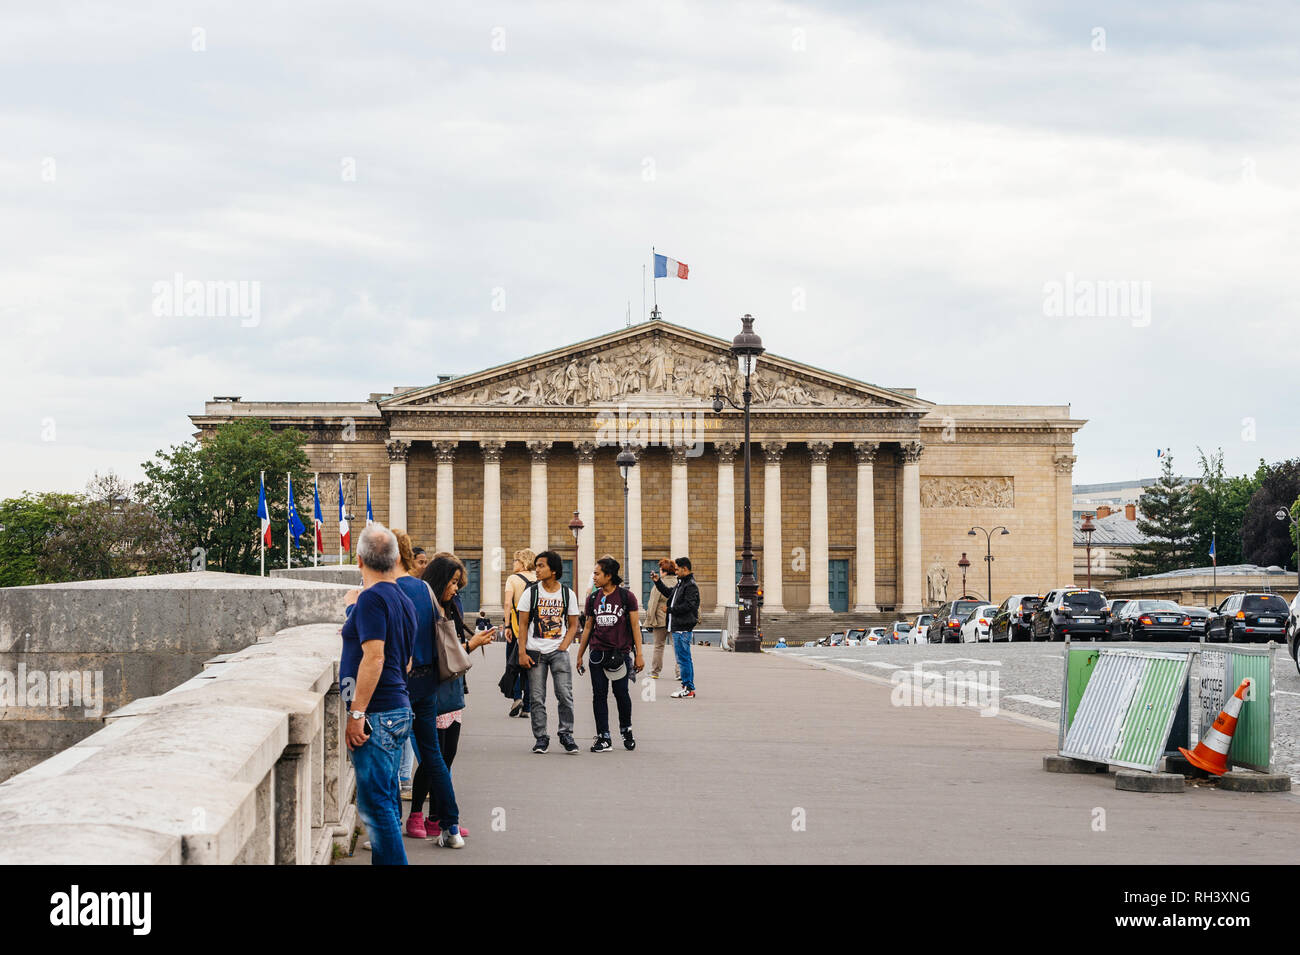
column 261, row 538
column 654, row 283
column 315, row 531
column 288, row 524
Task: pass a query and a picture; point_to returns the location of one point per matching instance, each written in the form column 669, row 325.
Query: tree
column 210, row 489
column 107, row 533
column 27, row 522
column 1164, row 518
column 1266, row 540
column 1218, row 509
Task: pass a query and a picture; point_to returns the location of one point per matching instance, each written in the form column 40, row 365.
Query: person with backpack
column 518, row 581
column 614, row 633
column 548, row 619
column 683, row 615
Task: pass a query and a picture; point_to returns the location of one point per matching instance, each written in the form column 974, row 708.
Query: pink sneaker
column 415, row 826
column 432, row 828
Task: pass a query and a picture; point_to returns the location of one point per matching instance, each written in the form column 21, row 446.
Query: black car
column 1074, row 612
column 1011, row 622
column 1246, row 618
column 1116, row 607
column 1155, row 620
column 946, row 626
column 1199, row 617
column 1293, row 631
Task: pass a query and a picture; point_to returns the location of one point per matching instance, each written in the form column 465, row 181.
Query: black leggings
column 447, row 742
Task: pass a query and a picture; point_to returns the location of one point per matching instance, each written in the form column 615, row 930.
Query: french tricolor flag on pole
column 666, row 268
column 345, row 535
column 263, row 513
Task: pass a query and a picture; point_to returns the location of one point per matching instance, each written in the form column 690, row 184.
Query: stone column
column 680, row 521
column 444, row 537
column 586, row 559
column 866, row 543
column 726, row 523
column 493, row 559
column 1064, row 464
column 397, row 452
column 632, row 572
column 819, row 556
column 538, row 539
column 773, row 552
column 910, row 574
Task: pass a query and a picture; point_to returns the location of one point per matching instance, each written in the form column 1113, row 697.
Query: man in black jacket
column 683, row 615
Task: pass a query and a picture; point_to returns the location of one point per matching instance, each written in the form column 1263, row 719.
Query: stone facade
column 868, row 485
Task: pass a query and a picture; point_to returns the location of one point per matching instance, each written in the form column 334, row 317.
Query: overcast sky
column 915, row 175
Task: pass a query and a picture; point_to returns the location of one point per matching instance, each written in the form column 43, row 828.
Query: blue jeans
column 432, row 766
column 379, row 801
column 682, row 650
column 407, row 769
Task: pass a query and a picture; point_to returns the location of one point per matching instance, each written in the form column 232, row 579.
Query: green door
column 469, row 597
column 839, row 581
column 648, row 567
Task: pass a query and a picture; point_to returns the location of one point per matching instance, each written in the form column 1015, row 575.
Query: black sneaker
column 602, row 745
column 567, row 742
column 541, row 744
column 629, row 742
column 517, row 707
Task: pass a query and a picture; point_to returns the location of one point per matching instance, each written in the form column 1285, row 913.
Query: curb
column 1134, row 780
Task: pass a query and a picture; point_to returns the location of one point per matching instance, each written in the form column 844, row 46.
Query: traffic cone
column 1211, row 753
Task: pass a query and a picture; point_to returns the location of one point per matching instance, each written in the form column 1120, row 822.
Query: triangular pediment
column 651, row 363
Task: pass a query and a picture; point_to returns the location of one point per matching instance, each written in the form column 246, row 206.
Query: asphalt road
column 1029, row 679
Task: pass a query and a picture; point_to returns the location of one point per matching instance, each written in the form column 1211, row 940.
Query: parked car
column 1116, row 607
column 1293, row 631
column 921, row 624
column 1246, row 617
column 875, row 634
column 1073, row 611
column 976, row 625
column 1011, row 621
column 946, row 625
column 1155, row 620
column 897, row 632
column 1199, row 617
column 855, row 636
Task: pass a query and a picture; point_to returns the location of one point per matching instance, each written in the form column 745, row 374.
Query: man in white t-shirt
column 548, row 614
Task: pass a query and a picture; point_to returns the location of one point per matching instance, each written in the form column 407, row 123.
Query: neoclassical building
column 862, row 495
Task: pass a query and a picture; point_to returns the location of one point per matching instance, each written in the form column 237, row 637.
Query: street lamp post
column 745, row 347
column 988, row 555
column 1087, row 528
column 626, row 462
column 964, row 564
column 1284, row 515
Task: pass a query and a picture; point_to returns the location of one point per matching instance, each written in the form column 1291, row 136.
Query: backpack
column 513, row 618
column 533, row 615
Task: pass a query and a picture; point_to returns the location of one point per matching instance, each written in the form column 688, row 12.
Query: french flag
column 320, row 518
column 370, row 514
column 670, row 268
column 345, row 535
column 264, row 514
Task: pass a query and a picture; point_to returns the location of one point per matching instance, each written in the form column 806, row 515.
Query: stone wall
column 243, row 763
column 97, row 645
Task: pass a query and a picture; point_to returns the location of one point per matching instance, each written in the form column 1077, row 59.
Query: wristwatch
column 357, row 714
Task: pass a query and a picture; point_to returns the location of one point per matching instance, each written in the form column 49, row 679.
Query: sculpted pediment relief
column 647, row 368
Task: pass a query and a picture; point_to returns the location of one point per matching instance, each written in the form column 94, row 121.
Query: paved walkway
column 771, row 741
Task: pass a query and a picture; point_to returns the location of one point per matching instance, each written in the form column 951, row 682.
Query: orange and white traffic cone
column 1211, row 753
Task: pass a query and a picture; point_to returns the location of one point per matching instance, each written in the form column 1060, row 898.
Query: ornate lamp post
column 1283, row 515
column 964, row 564
column 745, row 347
column 1087, row 527
column 626, row 462
column 988, row 556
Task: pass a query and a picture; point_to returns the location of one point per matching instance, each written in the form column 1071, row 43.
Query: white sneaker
column 449, row 841
column 683, row 694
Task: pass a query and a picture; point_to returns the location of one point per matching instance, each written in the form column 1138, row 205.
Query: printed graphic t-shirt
column 610, row 626
column 552, row 616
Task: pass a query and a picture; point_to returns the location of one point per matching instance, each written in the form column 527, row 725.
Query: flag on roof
column 670, row 268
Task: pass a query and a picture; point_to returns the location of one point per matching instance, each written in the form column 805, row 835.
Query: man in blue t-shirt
column 378, row 639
